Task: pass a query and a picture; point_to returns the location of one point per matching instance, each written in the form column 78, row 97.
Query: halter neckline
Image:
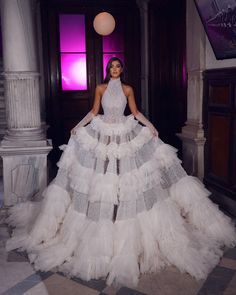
column 114, row 81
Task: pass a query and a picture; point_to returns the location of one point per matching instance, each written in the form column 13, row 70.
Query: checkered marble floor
column 17, row 277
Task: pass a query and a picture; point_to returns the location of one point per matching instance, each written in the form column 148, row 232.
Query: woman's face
column 115, row 69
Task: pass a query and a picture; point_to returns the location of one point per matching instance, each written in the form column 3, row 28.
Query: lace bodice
column 114, row 102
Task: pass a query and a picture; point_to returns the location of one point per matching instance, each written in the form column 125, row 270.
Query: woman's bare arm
column 131, row 100
column 97, row 99
column 137, row 114
column 94, row 111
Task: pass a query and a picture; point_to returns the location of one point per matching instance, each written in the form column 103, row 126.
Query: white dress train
column 120, row 205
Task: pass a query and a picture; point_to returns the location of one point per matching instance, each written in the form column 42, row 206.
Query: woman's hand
column 83, row 122
column 139, row 116
column 73, row 131
column 153, row 130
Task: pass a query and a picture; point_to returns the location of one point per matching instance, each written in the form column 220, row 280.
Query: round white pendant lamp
column 104, row 23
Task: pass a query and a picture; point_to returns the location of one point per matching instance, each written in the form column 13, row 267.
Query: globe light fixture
column 104, row 23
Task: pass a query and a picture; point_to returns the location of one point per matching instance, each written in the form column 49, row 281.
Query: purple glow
column 73, row 71
column 113, row 42
column 72, row 33
column 106, row 58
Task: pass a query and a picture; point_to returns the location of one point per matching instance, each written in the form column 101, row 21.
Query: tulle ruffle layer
column 121, row 205
column 113, row 166
column 174, row 231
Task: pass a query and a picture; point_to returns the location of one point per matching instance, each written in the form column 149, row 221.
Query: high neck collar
column 114, row 84
column 115, row 81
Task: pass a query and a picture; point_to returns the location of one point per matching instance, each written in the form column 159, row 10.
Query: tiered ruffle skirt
column 120, row 205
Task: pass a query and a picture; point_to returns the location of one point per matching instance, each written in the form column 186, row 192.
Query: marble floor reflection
column 17, row 277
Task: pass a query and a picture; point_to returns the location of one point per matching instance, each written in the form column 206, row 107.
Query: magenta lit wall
column 113, row 45
column 73, row 52
column 113, row 42
column 72, row 33
column 74, row 72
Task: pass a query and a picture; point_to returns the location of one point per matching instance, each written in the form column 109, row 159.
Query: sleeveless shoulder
column 101, row 88
column 127, row 89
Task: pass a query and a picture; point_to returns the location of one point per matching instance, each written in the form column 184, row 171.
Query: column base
column 24, row 172
column 24, row 137
column 193, row 140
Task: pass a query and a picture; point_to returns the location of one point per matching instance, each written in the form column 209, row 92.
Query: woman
column 121, row 204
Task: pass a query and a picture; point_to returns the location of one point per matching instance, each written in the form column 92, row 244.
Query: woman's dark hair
column 108, row 67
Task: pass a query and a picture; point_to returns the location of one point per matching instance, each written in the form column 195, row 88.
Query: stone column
column 192, row 133
column 24, row 147
column 143, row 7
column 22, row 108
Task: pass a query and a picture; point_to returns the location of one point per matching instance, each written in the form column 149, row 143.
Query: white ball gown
column 121, row 205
